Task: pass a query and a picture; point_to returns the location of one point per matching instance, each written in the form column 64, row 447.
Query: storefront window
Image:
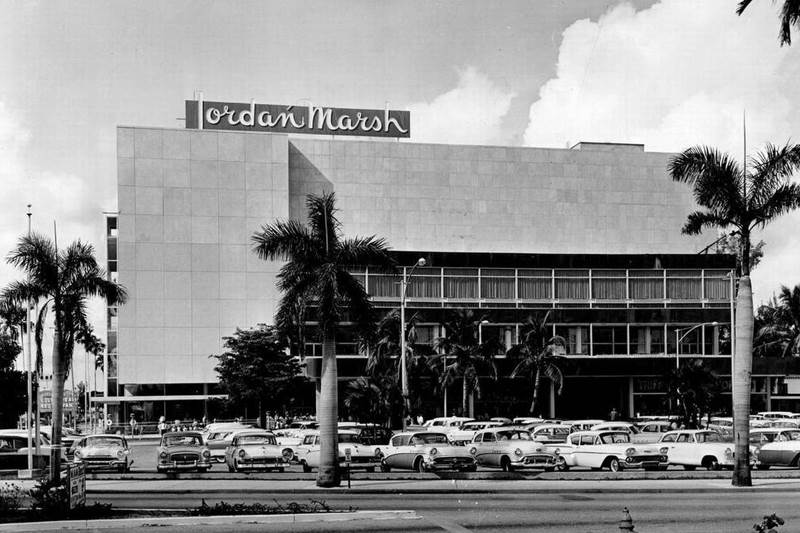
column 609, row 340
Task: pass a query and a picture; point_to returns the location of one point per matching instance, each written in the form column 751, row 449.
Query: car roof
column 187, row 433
column 252, row 432
column 550, row 425
column 504, row 428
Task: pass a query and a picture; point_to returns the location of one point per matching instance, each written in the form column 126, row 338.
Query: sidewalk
column 435, row 486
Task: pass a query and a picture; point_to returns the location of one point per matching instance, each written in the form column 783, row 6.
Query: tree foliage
column 696, row 392
column 539, row 354
column 790, row 16
column 256, row 370
column 730, row 244
column 12, row 383
column 778, row 325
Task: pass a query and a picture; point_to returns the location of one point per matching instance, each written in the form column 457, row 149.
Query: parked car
column 446, row 423
column 611, row 449
column 582, row 425
column 69, row 437
column 218, row 439
column 527, row 420
column 511, row 449
column 256, row 449
column 691, row 448
column 352, row 452
column 776, row 414
column 549, row 433
column 16, row 441
column 467, row 431
column 369, row 434
column 651, row 431
column 779, row 453
column 425, row 451
column 99, row 452
column 792, row 423
column 182, row 450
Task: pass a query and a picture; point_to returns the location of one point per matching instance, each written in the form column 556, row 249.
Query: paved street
column 674, row 505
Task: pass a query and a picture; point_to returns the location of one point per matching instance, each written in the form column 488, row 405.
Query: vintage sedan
column 468, row 430
column 99, row 452
column 549, row 433
column 352, row 452
column 218, row 439
column 511, row 449
column 182, row 450
column 256, row 449
column 779, row 453
column 705, row 448
column 425, row 451
column 609, row 449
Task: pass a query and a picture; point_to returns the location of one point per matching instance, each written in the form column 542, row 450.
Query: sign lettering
column 297, row 119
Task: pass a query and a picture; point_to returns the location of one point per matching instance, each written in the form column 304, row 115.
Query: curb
column 207, row 520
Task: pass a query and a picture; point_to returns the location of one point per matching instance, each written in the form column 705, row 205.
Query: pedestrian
column 162, row 425
column 133, row 424
column 420, row 420
column 612, row 416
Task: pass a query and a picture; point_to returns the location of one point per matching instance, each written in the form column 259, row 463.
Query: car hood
column 444, row 450
column 262, row 450
column 183, row 449
column 100, row 450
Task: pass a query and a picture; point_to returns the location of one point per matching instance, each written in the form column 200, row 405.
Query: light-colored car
column 792, row 423
column 511, row 449
column 425, row 451
column 651, row 431
column 16, row 441
column 293, row 437
column 182, row 450
column 218, row 439
column 256, row 449
column 779, row 453
column 99, row 452
column 446, row 424
column 612, row 449
column 776, row 414
column 549, row 433
column 692, row 448
column 527, row 420
column 351, row 452
column 763, row 436
column 467, row 431
column 582, row 425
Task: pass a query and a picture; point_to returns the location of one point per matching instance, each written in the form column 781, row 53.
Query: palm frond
column 742, row 6
column 784, row 198
column 322, row 220
column 36, row 256
column 366, row 251
column 771, row 167
column 697, row 221
column 790, row 16
column 284, row 240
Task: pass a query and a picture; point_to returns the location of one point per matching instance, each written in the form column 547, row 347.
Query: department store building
column 591, row 233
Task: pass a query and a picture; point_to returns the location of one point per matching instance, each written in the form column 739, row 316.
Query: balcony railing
column 491, row 287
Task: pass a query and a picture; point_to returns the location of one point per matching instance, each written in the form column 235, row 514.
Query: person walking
column 133, row 425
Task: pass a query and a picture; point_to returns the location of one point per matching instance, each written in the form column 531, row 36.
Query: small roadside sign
column 76, row 483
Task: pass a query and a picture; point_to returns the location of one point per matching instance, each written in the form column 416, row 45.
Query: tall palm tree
column 316, row 271
column 790, row 16
column 465, row 356
column 539, row 354
column 12, row 319
column 779, row 331
column 62, row 280
column 742, row 201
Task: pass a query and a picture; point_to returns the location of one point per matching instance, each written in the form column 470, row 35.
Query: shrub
column 224, row 508
column 10, row 499
column 769, row 524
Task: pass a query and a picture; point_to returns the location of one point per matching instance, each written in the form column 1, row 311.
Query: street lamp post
column 403, row 367
column 679, row 338
column 29, row 412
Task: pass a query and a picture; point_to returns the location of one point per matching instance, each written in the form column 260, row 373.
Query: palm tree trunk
column 327, row 417
column 464, row 397
column 742, row 367
column 536, row 383
column 57, row 401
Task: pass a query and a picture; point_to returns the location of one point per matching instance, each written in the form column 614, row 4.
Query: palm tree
column 790, row 16
column 63, row 280
column 741, row 201
column 779, row 331
column 316, row 271
column 464, row 355
column 540, row 354
column 12, row 319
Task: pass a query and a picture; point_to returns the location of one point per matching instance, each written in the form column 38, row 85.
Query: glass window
column 647, row 339
column 683, row 285
column 497, row 287
column 646, row 284
column 610, row 340
column 608, row 284
column 461, row 283
column 535, row 288
column 684, row 437
column 669, row 438
column 577, row 338
column 572, row 284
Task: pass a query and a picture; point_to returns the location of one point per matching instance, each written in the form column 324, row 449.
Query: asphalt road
column 682, row 509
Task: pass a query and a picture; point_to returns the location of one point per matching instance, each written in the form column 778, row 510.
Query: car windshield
column 103, row 441
column 256, row 439
column 182, row 440
column 790, row 435
column 708, row 436
column 429, row 438
column 348, row 437
column 615, row 438
column 513, row 435
column 758, row 438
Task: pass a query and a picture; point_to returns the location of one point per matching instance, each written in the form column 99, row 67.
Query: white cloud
column 65, row 198
column 678, row 74
column 471, row 113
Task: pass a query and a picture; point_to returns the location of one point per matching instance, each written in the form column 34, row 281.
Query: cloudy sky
column 669, row 74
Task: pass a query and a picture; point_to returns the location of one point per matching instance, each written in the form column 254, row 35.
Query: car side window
column 587, row 440
column 669, row 438
column 684, row 437
column 575, row 440
column 489, row 437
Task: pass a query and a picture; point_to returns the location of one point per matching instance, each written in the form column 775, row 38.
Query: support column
column 552, row 399
column 317, row 394
column 631, row 406
column 768, row 384
column 471, row 405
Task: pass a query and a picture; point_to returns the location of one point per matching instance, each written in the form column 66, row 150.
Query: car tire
column 561, row 464
column 763, row 467
column 419, row 466
column 306, row 468
column 711, row 463
column 613, row 464
column 689, row 467
column 370, row 469
column 505, row 465
column 549, row 469
column 281, row 469
column 385, row 468
column 231, row 469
